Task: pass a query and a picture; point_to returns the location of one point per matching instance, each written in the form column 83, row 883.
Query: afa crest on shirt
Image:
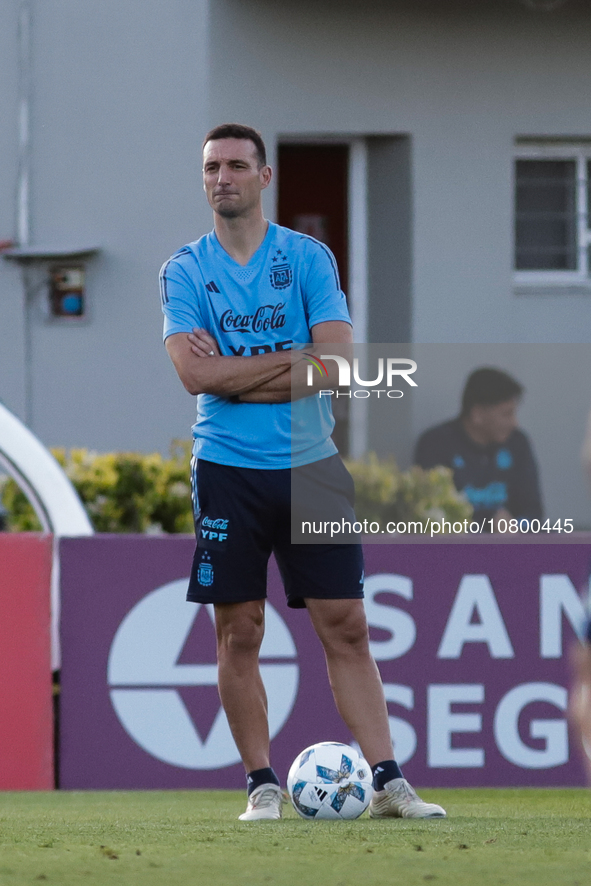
column 281, row 274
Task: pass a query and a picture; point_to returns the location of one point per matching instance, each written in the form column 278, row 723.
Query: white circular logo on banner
column 144, row 677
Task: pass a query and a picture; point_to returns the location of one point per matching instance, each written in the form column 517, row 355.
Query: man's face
column 495, row 423
column 232, row 179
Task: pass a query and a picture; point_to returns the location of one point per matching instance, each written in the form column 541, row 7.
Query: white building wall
column 117, row 111
column 11, row 324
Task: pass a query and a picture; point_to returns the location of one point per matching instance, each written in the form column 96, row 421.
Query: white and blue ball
column 330, row 780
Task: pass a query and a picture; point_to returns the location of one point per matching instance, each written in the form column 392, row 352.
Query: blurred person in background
column 492, row 460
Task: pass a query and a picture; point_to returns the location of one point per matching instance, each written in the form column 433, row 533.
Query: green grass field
column 158, row 838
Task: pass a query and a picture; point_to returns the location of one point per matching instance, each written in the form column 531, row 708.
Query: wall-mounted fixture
column 64, row 276
column 66, row 291
column 53, row 292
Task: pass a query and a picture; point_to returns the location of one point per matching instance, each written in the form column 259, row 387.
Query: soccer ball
column 330, row 780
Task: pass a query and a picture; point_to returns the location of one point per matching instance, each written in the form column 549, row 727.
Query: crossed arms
column 265, row 378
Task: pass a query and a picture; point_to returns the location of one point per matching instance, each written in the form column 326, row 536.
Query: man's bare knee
column 350, row 637
column 240, row 641
column 342, row 628
column 240, row 629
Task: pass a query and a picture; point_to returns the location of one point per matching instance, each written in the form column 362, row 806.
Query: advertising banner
column 471, row 641
column 26, row 716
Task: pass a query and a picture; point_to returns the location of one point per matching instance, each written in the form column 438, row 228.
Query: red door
column 313, row 195
column 313, row 199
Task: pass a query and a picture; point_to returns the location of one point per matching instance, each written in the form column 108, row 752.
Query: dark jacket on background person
column 497, row 475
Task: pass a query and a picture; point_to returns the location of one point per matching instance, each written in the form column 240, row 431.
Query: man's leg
column 357, row 688
column 353, row 674
column 239, row 629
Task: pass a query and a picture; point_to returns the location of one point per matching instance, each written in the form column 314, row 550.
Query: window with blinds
column 552, row 218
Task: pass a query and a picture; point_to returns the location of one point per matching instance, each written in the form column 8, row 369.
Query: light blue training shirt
column 289, row 285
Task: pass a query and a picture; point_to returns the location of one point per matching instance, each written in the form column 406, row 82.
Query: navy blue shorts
column 242, row 515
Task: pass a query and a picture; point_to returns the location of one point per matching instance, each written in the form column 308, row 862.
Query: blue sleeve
column 323, row 298
column 180, row 299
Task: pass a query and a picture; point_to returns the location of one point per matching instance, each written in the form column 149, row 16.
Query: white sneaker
column 400, row 800
column 265, row 802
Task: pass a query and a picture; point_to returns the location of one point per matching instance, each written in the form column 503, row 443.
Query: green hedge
column 122, row 491
column 133, row 492
column 384, row 493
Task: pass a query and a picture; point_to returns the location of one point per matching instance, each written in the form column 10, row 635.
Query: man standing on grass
column 235, row 302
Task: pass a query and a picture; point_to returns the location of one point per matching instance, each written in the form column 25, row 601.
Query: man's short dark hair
column 238, row 130
column 488, row 387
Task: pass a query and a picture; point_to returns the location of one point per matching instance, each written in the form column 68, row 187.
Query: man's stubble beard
column 229, row 213
column 233, row 211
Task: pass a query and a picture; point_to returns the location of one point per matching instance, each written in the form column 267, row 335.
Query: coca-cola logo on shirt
column 218, row 523
column 266, row 317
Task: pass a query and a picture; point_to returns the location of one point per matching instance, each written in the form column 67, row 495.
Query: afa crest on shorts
column 281, row 274
column 205, row 574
